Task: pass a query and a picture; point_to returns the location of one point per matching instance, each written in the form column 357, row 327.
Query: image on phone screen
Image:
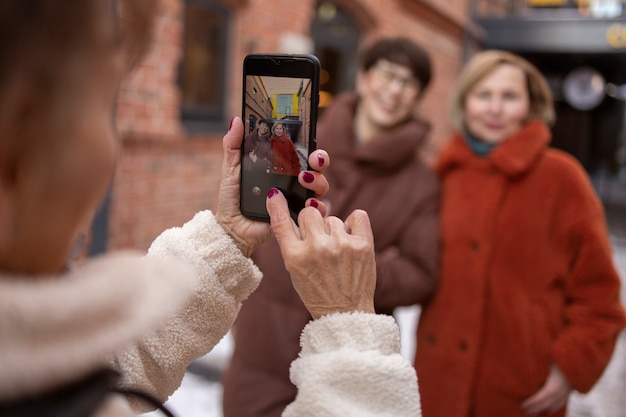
column 279, row 113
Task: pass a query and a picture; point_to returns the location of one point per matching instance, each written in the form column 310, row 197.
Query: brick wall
column 164, row 175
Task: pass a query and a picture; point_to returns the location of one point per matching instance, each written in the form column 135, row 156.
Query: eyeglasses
column 388, row 77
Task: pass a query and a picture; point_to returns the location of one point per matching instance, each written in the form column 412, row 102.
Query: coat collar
column 390, row 151
column 512, row 158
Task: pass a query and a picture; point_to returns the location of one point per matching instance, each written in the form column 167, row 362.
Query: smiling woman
column 528, row 307
column 374, row 135
column 498, row 106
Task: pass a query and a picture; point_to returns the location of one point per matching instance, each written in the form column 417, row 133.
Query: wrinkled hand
column 551, row 397
column 331, row 263
column 249, row 234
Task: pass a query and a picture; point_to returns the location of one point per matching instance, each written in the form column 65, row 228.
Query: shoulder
column 562, row 168
column 571, row 185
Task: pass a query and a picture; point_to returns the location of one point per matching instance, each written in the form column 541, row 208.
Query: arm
column 224, row 278
column 248, row 142
column 594, row 314
column 350, row 362
column 350, row 365
column 216, row 248
column 295, row 159
column 265, row 150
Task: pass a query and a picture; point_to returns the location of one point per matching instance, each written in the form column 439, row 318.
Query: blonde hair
column 482, row 64
column 275, row 125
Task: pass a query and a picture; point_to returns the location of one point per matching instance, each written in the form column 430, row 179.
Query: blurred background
column 174, row 109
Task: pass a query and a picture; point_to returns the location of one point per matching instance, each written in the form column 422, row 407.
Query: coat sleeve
column 594, row 314
column 224, row 279
column 295, row 159
column 350, row 365
column 409, row 276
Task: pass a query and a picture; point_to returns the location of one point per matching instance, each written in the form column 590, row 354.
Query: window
column 284, row 107
column 202, row 74
column 336, row 36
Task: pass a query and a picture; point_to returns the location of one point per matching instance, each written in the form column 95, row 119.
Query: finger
column 556, row 406
column 537, row 403
column 310, row 222
column 285, row 230
column 319, row 160
column 232, row 148
column 335, row 227
column 315, row 182
column 228, row 196
column 317, row 204
column 358, row 223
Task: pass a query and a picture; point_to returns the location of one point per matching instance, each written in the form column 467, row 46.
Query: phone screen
column 279, row 113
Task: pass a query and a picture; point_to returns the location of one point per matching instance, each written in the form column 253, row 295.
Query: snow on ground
column 200, row 397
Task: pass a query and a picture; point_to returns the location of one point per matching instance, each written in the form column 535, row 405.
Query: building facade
column 174, row 109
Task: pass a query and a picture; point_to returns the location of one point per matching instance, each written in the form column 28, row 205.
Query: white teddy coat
column 150, row 316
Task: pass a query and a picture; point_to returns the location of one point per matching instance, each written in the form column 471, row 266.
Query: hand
column 249, row 234
column 253, row 156
column 551, row 397
column 331, row 263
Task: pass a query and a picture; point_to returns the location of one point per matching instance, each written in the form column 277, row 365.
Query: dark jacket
column 262, row 147
column 527, row 280
column 386, row 178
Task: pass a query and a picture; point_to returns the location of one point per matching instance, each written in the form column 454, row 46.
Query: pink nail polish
column 308, row 177
column 272, row 192
column 320, row 159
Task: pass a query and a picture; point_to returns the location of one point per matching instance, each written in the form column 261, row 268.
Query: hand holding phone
column 280, row 99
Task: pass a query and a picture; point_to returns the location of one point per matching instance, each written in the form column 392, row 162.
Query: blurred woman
column 528, row 306
column 286, row 160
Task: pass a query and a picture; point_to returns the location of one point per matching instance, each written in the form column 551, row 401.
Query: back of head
column 481, row 65
column 42, row 42
column 401, row 51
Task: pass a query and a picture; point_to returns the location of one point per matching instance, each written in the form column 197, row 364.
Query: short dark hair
column 262, row 121
column 401, row 51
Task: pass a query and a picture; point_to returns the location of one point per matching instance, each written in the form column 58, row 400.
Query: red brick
column 164, row 176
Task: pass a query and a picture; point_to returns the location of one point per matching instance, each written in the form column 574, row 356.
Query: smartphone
column 280, row 107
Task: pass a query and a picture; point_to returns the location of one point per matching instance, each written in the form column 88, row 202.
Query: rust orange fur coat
column 527, row 280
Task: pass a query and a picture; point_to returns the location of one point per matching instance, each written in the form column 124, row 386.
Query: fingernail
column 231, row 123
column 272, row 192
column 314, row 203
column 308, row 177
column 320, row 159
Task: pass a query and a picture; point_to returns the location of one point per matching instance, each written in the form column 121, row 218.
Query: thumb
column 232, row 143
column 282, row 225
